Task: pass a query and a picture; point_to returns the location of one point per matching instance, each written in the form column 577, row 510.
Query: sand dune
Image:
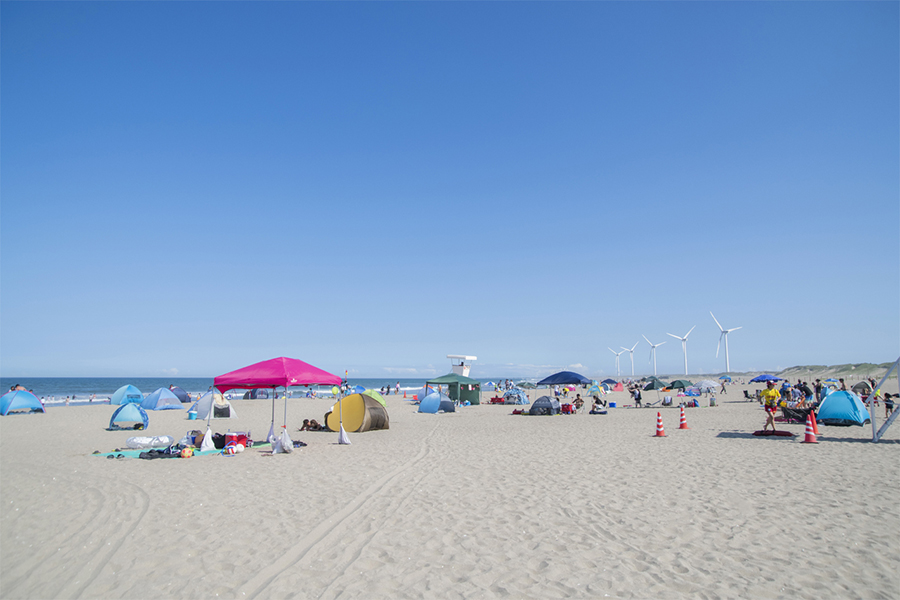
column 474, row 504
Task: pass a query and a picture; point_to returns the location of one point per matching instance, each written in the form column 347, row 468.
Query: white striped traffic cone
column 810, row 434
column 683, row 424
column 660, row 431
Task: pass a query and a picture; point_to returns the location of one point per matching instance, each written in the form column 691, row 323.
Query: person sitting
column 305, row 425
column 314, row 426
column 598, row 406
column 578, row 402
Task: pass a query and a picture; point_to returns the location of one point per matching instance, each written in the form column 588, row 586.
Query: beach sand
column 475, row 504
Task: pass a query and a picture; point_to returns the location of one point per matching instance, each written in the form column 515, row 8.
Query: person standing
column 843, row 385
column 770, row 398
column 398, row 388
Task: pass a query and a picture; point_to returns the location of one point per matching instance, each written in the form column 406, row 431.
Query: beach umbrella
column 680, row 384
column 707, row 384
column 526, row 385
column 655, row 384
column 725, row 377
column 764, row 378
column 563, row 378
column 832, row 380
column 609, row 381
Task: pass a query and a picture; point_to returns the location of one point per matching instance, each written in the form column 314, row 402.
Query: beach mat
column 197, row 452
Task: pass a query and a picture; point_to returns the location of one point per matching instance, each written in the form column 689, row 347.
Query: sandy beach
column 476, row 504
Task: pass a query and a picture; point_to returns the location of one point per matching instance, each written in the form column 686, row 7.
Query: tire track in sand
column 264, row 578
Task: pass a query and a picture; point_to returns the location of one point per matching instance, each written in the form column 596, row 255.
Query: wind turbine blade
column 635, row 346
column 689, row 332
column 735, row 329
column 719, row 345
column 716, row 320
column 611, row 350
column 645, row 337
column 660, row 344
column 674, row 336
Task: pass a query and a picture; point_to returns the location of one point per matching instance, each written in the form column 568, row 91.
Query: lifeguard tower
column 461, row 363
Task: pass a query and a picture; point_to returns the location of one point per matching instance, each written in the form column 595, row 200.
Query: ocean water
column 81, row 389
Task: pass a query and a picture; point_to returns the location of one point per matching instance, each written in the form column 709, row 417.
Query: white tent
column 220, row 407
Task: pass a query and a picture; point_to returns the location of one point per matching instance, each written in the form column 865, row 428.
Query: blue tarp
column 162, row 399
column 842, row 408
column 20, row 400
column 516, row 396
column 129, row 413
column 434, row 402
column 125, row 394
column 564, row 378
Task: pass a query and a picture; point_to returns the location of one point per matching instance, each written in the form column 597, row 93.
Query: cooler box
column 567, row 409
column 612, row 404
column 238, row 437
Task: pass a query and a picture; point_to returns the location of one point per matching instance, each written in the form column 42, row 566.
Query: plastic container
column 612, row 404
column 192, row 415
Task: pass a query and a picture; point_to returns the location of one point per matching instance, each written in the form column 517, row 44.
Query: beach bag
column 218, row 440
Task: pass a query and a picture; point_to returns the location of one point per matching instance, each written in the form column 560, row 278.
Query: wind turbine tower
column 683, row 345
column 723, row 335
column 632, row 356
column 617, row 358
column 653, row 352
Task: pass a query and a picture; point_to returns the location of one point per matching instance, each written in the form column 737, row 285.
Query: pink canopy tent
column 277, row 372
column 274, row 373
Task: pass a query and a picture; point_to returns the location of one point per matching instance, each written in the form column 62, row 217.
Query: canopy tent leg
column 876, row 435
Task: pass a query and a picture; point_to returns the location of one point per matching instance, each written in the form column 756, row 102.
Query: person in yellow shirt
column 770, row 398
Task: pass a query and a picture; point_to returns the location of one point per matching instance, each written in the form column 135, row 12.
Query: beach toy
column 186, row 453
column 660, row 430
column 239, row 448
column 683, row 424
column 810, row 437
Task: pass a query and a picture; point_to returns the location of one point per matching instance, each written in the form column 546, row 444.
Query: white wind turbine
column 684, row 345
column 617, row 358
column 632, row 355
column 653, row 352
column 723, row 335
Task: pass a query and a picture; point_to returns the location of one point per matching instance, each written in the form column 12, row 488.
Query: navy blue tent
column 842, row 408
column 180, row 393
column 609, row 381
column 564, row 378
column 545, row 405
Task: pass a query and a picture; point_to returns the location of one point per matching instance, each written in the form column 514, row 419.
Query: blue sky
column 188, row 188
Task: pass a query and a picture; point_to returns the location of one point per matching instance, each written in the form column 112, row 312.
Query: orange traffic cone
column 404, row 394
column 660, row 431
column 683, row 424
column 815, row 425
column 810, row 435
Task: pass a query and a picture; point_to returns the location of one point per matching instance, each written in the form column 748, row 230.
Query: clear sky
column 188, row 188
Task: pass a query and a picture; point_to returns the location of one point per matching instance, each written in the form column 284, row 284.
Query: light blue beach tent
column 20, row 400
column 434, row 402
column 842, row 408
column 129, row 413
column 162, row 399
column 126, row 394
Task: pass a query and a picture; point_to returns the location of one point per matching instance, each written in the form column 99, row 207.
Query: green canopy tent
column 459, row 388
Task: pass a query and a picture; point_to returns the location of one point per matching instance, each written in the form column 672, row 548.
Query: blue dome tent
column 162, row 399
column 129, row 413
column 842, row 409
column 434, row 402
column 20, row 400
column 126, row 394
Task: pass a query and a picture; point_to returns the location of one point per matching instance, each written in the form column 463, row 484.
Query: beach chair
column 747, row 396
